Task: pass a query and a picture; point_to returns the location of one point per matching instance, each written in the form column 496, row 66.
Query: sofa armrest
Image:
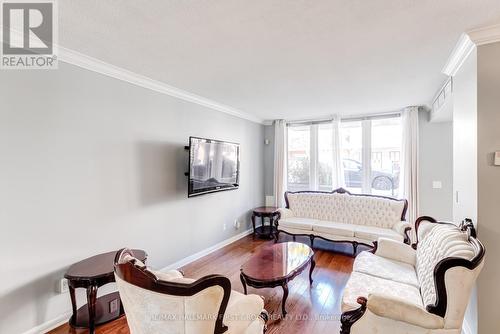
column 403, row 228
column 399, row 310
column 396, row 250
column 285, row 213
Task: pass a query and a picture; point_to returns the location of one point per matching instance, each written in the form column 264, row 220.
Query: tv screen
column 213, row 166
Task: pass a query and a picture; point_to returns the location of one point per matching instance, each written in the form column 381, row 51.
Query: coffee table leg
column 91, row 304
column 285, row 296
column 313, row 264
column 242, row 279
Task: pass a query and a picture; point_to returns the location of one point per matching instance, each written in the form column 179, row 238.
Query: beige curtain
column 280, row 164
column 409, row 168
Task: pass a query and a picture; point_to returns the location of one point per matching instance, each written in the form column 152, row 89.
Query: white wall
column 91, row 164
column 269, row 161
column 464, row 156
column 465, row 140
column 436, row 164
column 488, row 125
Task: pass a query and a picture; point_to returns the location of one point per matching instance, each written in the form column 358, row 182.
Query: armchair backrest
column 343, row 207
column 154, row 306
column 448, row 260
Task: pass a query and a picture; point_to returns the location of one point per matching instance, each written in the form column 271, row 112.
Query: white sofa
column 167, row 302
column 398, row 289
column 343, row 217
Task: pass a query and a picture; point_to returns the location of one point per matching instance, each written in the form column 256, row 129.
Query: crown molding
column 466, row 43
column 73, row 57
column 92, row 64
column 485, row 35
column 459, row 54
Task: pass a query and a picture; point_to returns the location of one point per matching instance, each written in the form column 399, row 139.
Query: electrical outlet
column 224, row 227
column 237, row 224
column 113, row 306
column 63, row 286
column 437, row 185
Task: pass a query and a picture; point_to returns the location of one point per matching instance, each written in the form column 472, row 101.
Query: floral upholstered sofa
column 344, row 217
column 423, row 289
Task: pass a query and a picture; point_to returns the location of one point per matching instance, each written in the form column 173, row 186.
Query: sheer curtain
column 409, row 170
column 337, row 170
column 280, row 153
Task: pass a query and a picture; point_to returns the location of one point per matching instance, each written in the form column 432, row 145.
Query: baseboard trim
column 50, row 325
column 206, row 251
column 63, row 318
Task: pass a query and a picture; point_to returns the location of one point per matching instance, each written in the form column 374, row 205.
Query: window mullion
column 366, row 155
column 313, row 166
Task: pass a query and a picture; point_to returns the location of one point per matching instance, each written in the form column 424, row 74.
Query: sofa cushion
column 339, row 229
column 242, row 310
column 362, row 285
column 443, row 241
column 298, row 223
column 369, row 263
column 373, row 233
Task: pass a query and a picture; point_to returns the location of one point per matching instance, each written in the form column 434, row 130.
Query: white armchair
column 424, row 289
column 167, row 302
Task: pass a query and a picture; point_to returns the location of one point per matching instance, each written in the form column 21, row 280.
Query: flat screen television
column 214, row 165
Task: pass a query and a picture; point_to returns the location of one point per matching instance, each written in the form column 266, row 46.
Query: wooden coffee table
column 276, row 265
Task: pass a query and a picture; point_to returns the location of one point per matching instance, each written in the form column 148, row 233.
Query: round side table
column 91, row 274
column 265, row 231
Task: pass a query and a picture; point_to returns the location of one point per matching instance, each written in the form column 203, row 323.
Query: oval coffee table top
column 277, row 261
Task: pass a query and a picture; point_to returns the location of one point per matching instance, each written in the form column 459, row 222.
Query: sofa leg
column 294, row 238
column 311, row 237
column 276, row 236
column 354, row 248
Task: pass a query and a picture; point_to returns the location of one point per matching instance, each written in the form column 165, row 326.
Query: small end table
column 265, row 231
column 91, row 274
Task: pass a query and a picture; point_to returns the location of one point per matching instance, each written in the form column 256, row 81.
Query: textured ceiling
column 281, row 58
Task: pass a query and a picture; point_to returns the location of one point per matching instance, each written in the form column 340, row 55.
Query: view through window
column 370, row 156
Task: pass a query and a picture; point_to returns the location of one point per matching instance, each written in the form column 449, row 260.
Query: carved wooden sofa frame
column 355, row 244
column 140, row 276
column 439, row 307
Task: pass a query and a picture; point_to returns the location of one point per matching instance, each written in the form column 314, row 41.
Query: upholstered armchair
column 167, row 302
column 419, row 289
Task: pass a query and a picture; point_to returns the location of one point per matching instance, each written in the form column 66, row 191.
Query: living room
column 308, row 155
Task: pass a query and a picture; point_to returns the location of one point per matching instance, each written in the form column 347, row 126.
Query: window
column 370, row 156
column 298, row 157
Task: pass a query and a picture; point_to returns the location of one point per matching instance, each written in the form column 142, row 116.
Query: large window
column 370, row 156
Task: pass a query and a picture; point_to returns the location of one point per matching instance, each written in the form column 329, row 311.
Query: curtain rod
column 344, row 119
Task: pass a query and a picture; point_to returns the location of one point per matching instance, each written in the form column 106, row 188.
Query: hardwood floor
column 313, row 309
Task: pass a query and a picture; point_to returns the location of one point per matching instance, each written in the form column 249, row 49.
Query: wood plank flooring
column 313, row 309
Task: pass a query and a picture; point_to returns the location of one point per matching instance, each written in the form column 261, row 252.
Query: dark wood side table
column 265, row 231
column 91, row 274
column 276, row 265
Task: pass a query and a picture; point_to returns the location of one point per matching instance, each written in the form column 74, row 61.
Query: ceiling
column 281, row 58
